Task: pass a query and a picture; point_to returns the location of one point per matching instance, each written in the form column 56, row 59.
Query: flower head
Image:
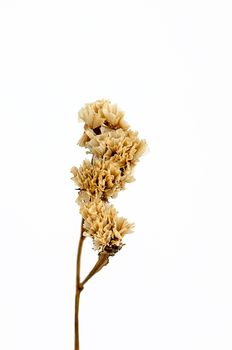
column 104, row 226
column 98, row 115
column 100, row 179
column 121, row 146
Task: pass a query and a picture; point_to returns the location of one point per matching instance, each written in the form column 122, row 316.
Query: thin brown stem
column 102, row 261
column 79, row 287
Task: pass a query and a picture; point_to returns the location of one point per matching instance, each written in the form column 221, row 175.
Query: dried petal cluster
column 122, row 147
column 115, row 151
column 100, row 179
column 98, row 115
column 104, row 226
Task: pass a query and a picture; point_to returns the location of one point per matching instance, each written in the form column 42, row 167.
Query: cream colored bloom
column 98, row 115
column 101, row 179
column 121, row 146
column 104, row 226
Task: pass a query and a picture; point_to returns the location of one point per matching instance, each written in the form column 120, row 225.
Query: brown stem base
column 103, row 260
column 77, row 303
column 78, row 288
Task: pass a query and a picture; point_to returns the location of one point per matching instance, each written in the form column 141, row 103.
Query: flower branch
column 103, row 260
column 115, row 150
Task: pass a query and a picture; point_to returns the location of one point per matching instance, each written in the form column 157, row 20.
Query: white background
column 168, row 65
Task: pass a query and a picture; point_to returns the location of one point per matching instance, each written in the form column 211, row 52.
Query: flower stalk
column 103, row 260
column 79, row 287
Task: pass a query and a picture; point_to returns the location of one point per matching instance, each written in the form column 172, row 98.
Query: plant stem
column 79, row 287
column 103, row 260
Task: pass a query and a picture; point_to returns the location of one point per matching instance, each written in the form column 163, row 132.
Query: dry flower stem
column 102, row 261
column 79, row 287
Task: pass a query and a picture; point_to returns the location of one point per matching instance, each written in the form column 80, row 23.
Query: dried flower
column 98, row 115
column 104, row 226
column 101, row 179
column 121, row 146
column 115, row 151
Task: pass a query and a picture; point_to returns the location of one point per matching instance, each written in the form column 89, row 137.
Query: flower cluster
column 102, row 223
column 115, row 150
column 98, row 115
column 100, row 179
